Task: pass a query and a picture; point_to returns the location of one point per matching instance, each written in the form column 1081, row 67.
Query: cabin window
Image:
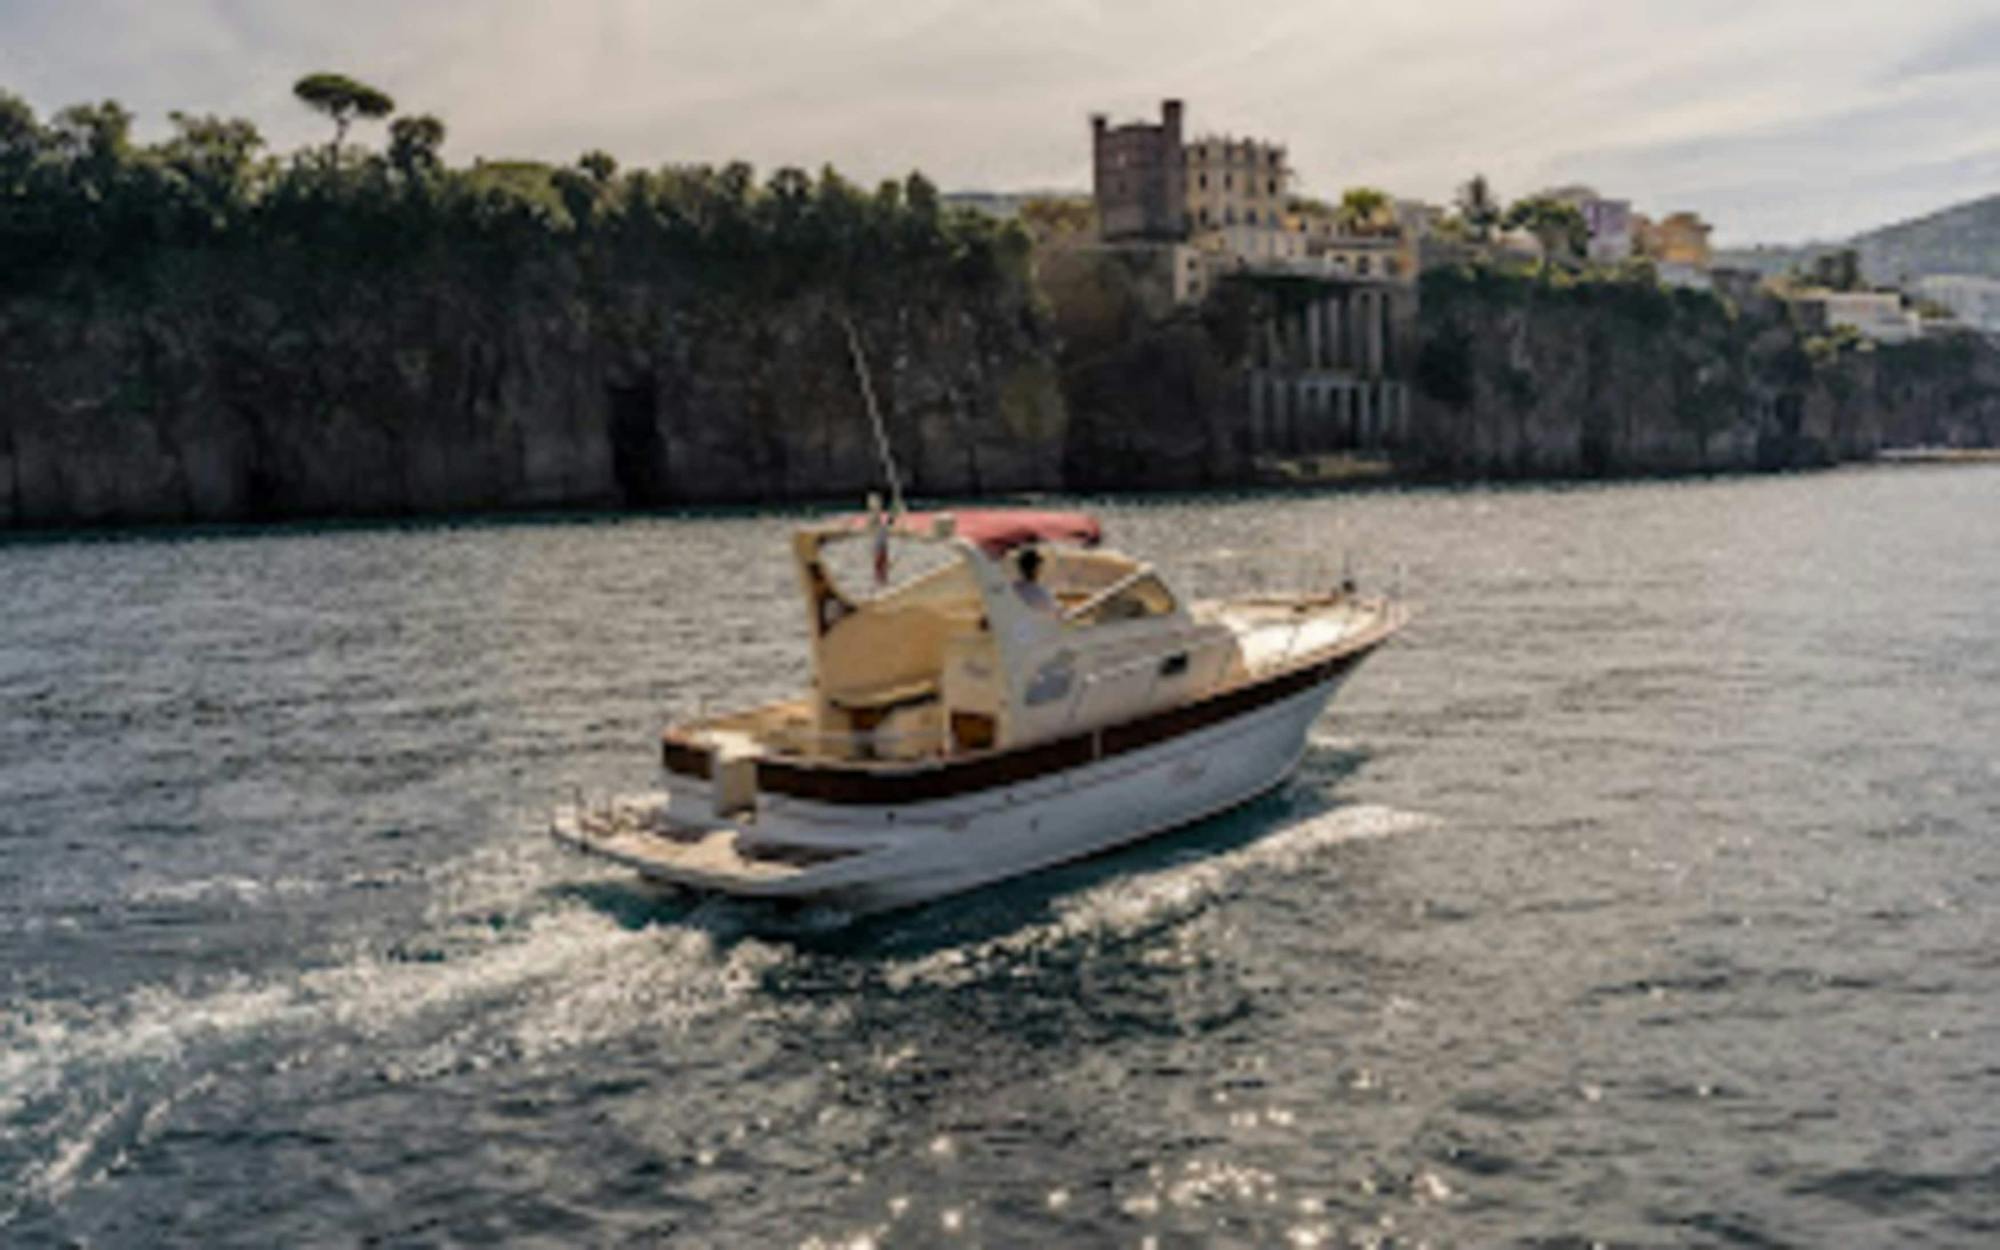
column 1138, row 600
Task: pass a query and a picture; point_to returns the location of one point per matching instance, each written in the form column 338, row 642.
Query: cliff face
column 221, row 389
column 1516, row 377
column 1153, row 391
column 218, row 391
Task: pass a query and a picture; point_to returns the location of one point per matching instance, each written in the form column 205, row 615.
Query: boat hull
column 890, row 856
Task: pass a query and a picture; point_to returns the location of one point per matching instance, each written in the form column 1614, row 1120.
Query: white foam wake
column 1135, row 902
column 482, row 993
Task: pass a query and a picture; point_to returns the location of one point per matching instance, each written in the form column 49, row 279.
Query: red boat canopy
column 997, row 531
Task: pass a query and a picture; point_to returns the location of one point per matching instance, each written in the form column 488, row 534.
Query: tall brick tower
column 1139, row 177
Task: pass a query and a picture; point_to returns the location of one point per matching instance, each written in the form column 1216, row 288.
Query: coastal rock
column 1526, row 376
column 229, row 395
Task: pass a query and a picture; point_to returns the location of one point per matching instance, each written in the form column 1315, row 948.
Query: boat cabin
column 1027, row 630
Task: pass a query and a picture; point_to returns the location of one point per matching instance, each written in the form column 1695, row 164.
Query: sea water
column 1644, row 892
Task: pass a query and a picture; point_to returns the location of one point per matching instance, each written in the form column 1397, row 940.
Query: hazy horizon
column 1778, row 122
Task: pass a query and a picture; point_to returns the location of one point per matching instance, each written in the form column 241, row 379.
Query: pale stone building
column 1973, row 300
column 1609, row 222
column 1323, row 373
column 1875, row 315
column 1235, row 182
column 1678, row 239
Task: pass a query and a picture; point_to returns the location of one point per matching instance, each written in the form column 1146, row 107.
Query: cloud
column 1969, row 45
column 1778, row 119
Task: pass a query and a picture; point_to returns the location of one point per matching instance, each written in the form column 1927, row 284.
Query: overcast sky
column 1778, row 119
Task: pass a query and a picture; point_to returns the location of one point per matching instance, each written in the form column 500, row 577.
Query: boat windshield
column 1137, row 598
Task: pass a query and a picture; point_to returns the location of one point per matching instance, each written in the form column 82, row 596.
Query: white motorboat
column 1032, row 698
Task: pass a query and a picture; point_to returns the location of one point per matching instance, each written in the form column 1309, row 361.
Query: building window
column 1361, row 268
column 1229, row 182
column 1251, row 217
column 1228, row 216
column 1274, row 186
column 1204, row 182
column 1204, row 214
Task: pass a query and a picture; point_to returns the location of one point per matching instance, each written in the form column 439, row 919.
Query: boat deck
column 639, row 833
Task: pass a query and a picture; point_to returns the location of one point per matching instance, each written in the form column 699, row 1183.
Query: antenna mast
column 874, row 417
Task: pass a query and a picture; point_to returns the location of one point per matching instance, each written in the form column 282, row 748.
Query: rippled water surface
column 1645, row 893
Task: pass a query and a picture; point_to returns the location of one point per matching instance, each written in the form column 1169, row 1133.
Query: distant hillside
column 1965, row 239
column 1961, row 239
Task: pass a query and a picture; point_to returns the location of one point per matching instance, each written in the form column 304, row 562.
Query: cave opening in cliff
column 637, row 460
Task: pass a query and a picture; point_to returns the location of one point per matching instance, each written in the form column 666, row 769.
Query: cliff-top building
column 1877, row 315
column 1974, row 300
column 1323, row 369
column 1608, row 221
column 1138, row 177
column 1232, row 182
column 1677, row 239
column 1228, row 204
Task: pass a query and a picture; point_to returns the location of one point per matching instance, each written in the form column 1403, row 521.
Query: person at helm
column 1028, row 587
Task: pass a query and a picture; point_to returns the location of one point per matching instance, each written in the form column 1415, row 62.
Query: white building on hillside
column 1975, row 301
column 1876, row 315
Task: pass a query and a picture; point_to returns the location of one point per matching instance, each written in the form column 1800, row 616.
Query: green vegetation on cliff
column 199, row 329
column 81, row 201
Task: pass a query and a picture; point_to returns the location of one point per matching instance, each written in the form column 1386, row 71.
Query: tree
column 1558, row 227
column 216, row 161
column 1838, row 271
column 20, row 133
column 1365, row 210
column 599, row 164
column 414, row 143
column 95, row 135
column 921, row 195
column 1053, row 217
column 343, row 99
column 1479, row 209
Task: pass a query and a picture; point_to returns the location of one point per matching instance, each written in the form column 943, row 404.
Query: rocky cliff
column 242, row 387
column 1521, row 376
column 225, row 390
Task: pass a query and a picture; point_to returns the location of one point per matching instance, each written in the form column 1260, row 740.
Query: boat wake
column 502, row 971
column 1131, row 904
column 517, row 961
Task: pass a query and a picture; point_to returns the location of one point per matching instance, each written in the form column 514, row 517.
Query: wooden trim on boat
column 849, row 785
column 684, row 758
